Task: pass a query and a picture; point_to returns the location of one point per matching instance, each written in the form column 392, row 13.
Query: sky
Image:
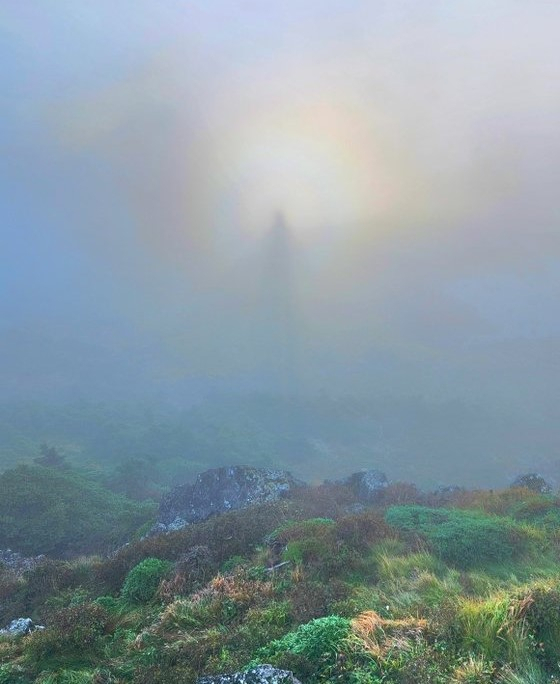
column 340, row 196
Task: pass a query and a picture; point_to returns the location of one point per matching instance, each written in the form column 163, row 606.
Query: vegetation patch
column 463, row 538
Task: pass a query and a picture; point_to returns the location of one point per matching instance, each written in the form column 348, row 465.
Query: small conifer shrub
column 142, row 582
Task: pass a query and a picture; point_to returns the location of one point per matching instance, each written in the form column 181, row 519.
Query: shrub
column 313, row 649
column 142, row 582
column 230, row 534
column 464, row 538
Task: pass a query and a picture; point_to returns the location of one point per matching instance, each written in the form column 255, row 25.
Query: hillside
column 455, row 586
column 140, row 449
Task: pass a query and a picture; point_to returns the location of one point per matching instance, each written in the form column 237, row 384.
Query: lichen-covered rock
column 18, row 563
column 20, row 626
column 446, row 493
column 532, row 481
column 367, row 486
column 262, row 674
column 220, row 490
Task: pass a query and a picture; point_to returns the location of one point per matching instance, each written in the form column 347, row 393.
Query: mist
column 298, row 199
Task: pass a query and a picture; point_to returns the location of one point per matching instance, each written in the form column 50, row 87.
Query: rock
column 262, row 674
column 220, row 490
column 367, row 486
column 446, row 493
column 20, row 626
column 355, row 509
column 18, row 563
column 532, row 481
column 198, row 559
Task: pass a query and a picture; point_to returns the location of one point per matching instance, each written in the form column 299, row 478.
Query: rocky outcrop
column 221, row 490
column 367, row 486
column 447, row 493
column 18, row 563
column 263, row 674
column 532, row 481
column 20, row 626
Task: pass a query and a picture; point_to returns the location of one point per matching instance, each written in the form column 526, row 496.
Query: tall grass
column 494, row 628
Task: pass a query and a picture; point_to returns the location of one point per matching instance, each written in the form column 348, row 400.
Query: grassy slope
column 359, row 600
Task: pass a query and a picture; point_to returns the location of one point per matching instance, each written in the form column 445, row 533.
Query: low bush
column 142, row 582
column 312, row 650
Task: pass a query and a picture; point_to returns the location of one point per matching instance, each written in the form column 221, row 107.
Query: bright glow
column 318, row 166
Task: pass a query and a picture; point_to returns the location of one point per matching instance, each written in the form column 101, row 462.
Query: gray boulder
column 447, row 493
column 18, row 563
column 20, row 626
column 368, row 485
column 221, row 490
column 532, row 481
column 262, row 674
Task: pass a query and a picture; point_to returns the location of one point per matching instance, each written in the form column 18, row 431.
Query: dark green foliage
column 143, row 580
column 54, row 511
column 464, row 538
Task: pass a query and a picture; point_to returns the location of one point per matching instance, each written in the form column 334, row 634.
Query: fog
column 293, row 198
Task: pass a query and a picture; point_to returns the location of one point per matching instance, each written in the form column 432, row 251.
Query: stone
column 220, row 490
column 17, row 563
column 262, row 674
column 367, row 486
column 532, row 481
column 20, row 626
column 447, row 493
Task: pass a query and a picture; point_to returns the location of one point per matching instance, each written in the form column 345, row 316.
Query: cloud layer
column 412, row 148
